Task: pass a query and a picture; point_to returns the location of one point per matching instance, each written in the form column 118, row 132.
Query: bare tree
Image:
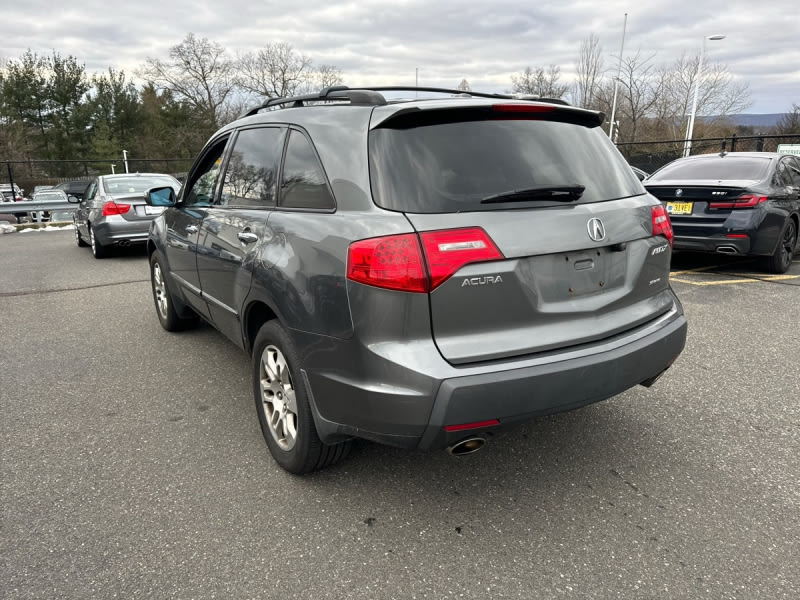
column 275, row 71
column 538, row 82
column 589, row 70
column 790, row 121
column 327, row 76
column 718, row 95
column 640, row 87
column 200, row 72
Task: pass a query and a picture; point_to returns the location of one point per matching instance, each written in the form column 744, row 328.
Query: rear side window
column 452, row 166
column 728, row 167
column 303, row 183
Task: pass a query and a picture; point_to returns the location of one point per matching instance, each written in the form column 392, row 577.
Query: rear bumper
column 413, row 412
column 759, row 229
column 522, row 394
column 718, row 243
column 115, row 230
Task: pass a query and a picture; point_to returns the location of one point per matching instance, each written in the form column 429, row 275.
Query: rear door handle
column 191, row 229
column 247, row 237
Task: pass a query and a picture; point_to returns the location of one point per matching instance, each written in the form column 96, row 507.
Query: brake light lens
column 522, row 108
column 661, row 224
column 113, row 208
column 744, row 201
column 393, row 262
column 447, row 251
column 412, row 263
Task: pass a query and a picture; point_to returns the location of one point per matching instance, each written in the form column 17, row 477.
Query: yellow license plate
column 679, row 208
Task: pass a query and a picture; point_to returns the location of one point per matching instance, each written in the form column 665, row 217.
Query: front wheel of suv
column 165, row 306
column 284, row 412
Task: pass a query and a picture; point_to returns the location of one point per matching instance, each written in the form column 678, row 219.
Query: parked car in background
column 7, row 194
column 73, row 188
column 113, row 211
column 741, row 203
column 47, row 195
column 420, row 273
column 640, row 174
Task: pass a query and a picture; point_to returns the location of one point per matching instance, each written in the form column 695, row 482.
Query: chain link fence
column 31, row 173
column 650, row 156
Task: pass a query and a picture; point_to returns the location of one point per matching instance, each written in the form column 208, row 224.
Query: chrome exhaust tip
column 727, row 250
column 466, row 446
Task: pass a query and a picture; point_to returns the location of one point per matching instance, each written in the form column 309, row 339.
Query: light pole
column 616, row 84
column 687, row 144
column 125, row 159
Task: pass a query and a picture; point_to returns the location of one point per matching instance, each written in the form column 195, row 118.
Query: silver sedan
column 113, row 211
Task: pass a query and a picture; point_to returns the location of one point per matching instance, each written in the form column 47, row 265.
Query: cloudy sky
column 382, row 42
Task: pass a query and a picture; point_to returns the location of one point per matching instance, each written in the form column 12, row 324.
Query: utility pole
column 616, row 84
column 125, row 159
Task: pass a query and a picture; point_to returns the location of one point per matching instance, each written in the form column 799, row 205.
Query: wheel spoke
column 291, row 401
column 278, row 397
column 270, row 365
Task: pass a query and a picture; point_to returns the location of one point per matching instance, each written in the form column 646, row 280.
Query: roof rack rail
column 336, row 93
column 372, row 96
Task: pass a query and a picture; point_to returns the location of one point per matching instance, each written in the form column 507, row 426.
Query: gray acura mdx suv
column 421, row 273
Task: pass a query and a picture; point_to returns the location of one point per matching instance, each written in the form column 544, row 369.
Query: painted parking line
column 705, row 272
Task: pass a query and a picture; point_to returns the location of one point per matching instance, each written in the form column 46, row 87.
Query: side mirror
column 73, row 199
column 160, row 196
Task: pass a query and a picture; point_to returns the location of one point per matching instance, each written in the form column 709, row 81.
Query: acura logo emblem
column 596, row 230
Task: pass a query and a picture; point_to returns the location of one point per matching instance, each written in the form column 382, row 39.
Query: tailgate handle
column 247, row 237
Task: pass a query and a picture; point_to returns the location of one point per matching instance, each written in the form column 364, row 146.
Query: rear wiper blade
column 559, row 193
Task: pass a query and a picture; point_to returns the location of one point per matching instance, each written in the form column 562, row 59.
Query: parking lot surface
column 133, row 465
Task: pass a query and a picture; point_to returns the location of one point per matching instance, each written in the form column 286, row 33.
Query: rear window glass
column 135, row 184
column 729, row 167
column 452, row 166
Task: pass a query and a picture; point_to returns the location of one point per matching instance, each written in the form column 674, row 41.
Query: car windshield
column 51, row 195
column 720, row 168
column 454, row 166
column 134, row 185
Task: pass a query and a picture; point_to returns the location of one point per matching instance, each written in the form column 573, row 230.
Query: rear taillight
column 447, row 251
column 745, row 201
column 660, row 221
column 393, row 262
column 399, row 262
column 113, row 208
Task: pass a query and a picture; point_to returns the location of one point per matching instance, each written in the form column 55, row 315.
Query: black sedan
column 744, row 203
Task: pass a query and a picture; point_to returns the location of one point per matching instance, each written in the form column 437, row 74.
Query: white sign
column 789, row 149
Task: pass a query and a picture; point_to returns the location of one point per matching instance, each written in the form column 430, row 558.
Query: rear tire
column 79, row 239
column 781, row 259
column 98, row 250
column 165, row 305
column 284, row 412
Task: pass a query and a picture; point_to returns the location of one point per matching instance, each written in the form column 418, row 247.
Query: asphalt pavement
column 133, row 465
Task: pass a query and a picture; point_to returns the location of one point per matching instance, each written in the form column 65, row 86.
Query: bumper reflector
column 475, row 425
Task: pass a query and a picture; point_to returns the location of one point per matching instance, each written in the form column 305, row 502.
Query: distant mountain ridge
column 748, row 120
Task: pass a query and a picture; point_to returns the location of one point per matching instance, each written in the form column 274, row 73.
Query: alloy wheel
column 788, row 243
column 160, row 290
column 278, row 397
